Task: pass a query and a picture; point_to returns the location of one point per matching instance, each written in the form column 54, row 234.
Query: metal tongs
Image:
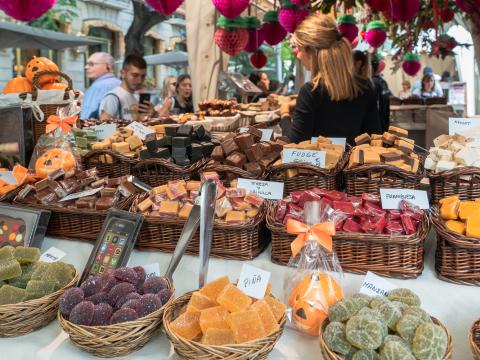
column 202, row 214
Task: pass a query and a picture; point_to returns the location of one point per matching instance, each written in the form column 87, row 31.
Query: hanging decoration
column 26, row 10
column 468, row 6
column 376, row 5
column 258, row 59
column 447, row 15
column 290, row 15
column 411, row 64
column 444, row 46
column 300, row 2
column 273, row 32
column 231, row 35
column 347, row 25
column 401, row 10
column 165, row 7
column 231, row 8
column 255, row 34
column 376, row 34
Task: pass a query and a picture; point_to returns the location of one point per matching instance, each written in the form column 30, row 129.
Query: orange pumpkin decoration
column 52, row 160
column 38, row 64
column 18, row 84
column 54, row 86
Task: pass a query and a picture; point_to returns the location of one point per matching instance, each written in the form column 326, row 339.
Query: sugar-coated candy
column 119, row 291
column 132, row 304
column 405, row 296
column 418, row 312
column 377, row 301
column 278, row 308
column 335, row 338
column 82, row 313
column 407, row 325
column 69, row 299
column 140, row 274
column 362, row 299
column 98, row 298
column 9, row 268
column 366, row 311
column 59, row 273
column 395, row 338
column 93, row 285
column 246, row 326
column 123, row 300
column 430, row 342
column 11, row 295
column 365, row 332
column 148, row 304
column 101, row 314
column 187, row 325
column 199, row 301
column 214, row 288
column 395, row 350
column 38, row 288
column 390, row 313
column 123, row 315
column 343, row 310
column 266, row 315
column 109, row 282
column 26, row 255
column 218, row 337
column 365, row 355
column 22, row 280
column 233, row 299
column 126, row 274
column 164, row 295
column 154, row 284
column 213, row 317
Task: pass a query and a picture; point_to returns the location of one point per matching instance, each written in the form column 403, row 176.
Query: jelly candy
column 70, row 299
column 246, row 326
column 405, row 296
column 365, row 355
column 334, row 337
column 396, row 338
column 366, row 311
column 154, row 284
column 361, row 299
column 93, row 285
column 123, row 315
column 233, row 299
column 101, row 297
column 214, row 288
column 109, row 282
column 430, row 342
column 278, row 308
column 365, row 332
column 198, row 302
column 59, row 273
column 82, row 313
column 22, row 280
column 133, row 304
column 26, row 255
column 395, row 350
column 101, row 314
column 401, row 306
column 407, row 325
column 390, row 313
column 215, row 336
column 140, row 274
column 214, row 317
column 187, row 325
column 127, row 297
column 9, row 267
column 119, row 291
column 38, row 288
column 148, row 304
column 266, row 314
column 418, row 312
column 377, row 301
column 126, row 274
column 11, row 295
column 164, row 295
column 343, row 310
column 39, row 270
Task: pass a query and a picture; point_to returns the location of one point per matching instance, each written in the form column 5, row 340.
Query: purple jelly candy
column 126, row 274
column 82, row 313
column 92, row 285
column 109, row 282
column 70, row 299
column 119, row 291
column 101, row 297
column 102, row 314
column 124, row 299
column 140, row 273
column 154, row 284
column 133, row 304
column 148, row 304
column 164, row 295
column 123, row 315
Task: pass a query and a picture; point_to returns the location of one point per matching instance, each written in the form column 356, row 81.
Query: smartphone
column 144, row 98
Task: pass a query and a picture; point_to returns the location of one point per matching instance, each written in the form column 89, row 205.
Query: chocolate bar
column 179, row 141
column 218, row 154
column 236, row 159
column 253, row 167
column 244, row 141
column 185, row 130
column 254, row 153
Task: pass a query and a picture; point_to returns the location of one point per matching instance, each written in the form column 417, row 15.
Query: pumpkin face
column 38, row 64
column 307, row 317
column 54, row 86
column 18, row 85
column 52, row 160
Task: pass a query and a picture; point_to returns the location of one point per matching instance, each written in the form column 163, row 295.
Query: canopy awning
column 173, row 58
column 14, row 35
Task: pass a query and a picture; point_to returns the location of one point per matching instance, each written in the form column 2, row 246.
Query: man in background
column 99, row 68
column 383, row 93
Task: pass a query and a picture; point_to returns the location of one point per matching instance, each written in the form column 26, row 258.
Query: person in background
column 336, row 102
column 417, row 85
column 446, row 77
column 360, row 62
column 169, row 90
column 182, row 102
column 117, row 104
column 428, row 87
column 99, row 68
column 406, row 91
column 383, row 94
column 261, row 80
column 274, row 86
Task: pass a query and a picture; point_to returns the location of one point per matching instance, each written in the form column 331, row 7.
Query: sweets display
column 462, row 217
column 393, row 327
column 352, row 214
column 453, row 151
column 270, row 104
column 22, row 177
column 392, row 148
column 84, row 139
column 218, row 108
column 23, row 277
column 124, row 295
column 221, row 314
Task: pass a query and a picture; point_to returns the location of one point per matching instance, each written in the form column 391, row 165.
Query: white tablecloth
column 456, row 306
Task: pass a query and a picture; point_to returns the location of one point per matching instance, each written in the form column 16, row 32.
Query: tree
column 61, row 14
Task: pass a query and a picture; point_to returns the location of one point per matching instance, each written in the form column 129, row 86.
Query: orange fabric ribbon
column 321, row 233
column 54, row 122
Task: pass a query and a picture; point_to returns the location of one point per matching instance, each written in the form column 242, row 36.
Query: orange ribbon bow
column 321, row 233
column 54, row 122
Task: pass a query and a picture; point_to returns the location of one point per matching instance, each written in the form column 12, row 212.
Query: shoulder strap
column 120, row 113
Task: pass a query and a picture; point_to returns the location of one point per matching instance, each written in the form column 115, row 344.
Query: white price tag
column 375, row 285
column 243, row 130
column 52, row 255
column 266, row 134
column 152, row 270
column 141, row 130
column 391, row 198
column 82, row 194
column 253, row 281
column 104, row 131
column 313, row 157
column 461, row 125
column 266, row 189
column 8, row 177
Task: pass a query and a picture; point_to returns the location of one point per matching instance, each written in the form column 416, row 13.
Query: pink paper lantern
column 256, row 38
column 231, row 8
column 273, row 32
column 376, row 5
column 26, row 10
column 401, row 10
column 411, row 64
column 375, row 35
column 290, row 18
column 347, row 26
column 165, row 7
column 300, row 2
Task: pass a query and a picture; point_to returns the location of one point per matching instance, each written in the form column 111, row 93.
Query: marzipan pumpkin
column 18, row 84
column 52, row 160
column 54, row 86
column 38, row 64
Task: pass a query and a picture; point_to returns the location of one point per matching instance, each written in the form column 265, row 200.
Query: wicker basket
column 115, row 340
column 186, row 349
column 156, row 172
column 330, row 355
column 237, row 242
column 390, row 256
column 457, row 258
column 121, row 164
column 27, row 316
column 474, row 337
column 464, row 182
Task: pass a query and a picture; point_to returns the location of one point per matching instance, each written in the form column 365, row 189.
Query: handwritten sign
column 52, row 255
column 253, row 281
column 313, row 157
column 266, row 189
column 374, row 285
column 81, row 194
column 141, row 130
column 461, row 125
column 152, row 270
column 391, row 198
column 8, row 177
column 104, row 131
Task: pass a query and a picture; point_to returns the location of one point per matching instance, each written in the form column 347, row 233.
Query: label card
column 52, row 255
column 104, row 131
column 243, row 130
column 266, row 189
column 141, row 130
column 460, row 125
column 375, row 285
column 8, row 177
column 152, row 270
column 82, row 194
column 391, row 198
column 253, row 281
column 313, row 157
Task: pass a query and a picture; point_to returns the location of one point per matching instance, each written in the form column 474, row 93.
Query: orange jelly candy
column 187, row 325
column 278, row 308
column 199, row 302
column 233, row 299
column 266, row 314
column 214, row 317
column 214, row 288
column 246, row 326
column 218, row 337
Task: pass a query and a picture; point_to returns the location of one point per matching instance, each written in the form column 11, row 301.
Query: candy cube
column 22, row 280
column 214, row 317
column 394, row 227
column 344, row 207
column 38, row 288
column 235, row 217
column 374, row 209
column 254, row 200
column 468, row 208
column 169, row 208
column 187, row 325
column 159, row 190
column 26, row 255
column 449, row 208
column 456, row 226
column 222, row 207
column 408, row 225
column 278, row 308
column 233, row 299
column 176, row 191
column 239, row 204
column 59, row 273
column 335, row 195
column 352, row 226
column 193, row 185
column 246, row 326
column 185, row 211
column 214, row 288
column 266, row 315
column 473, row 226
column 199, row 301
column 39, row 270
column 218, row 337
column 9, row 267
column 11, row 295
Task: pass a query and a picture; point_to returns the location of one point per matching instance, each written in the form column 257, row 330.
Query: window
column 106, row 35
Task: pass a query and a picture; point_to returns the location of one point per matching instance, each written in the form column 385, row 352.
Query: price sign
column 141, row 130
column 391, row 198
column 104, row 131
column 266, row 189
column 52, row 255
column 313, row 157
column 375, row 285
column 462, row 125
column 253, row 281
column 152, row 270
column 82, row 194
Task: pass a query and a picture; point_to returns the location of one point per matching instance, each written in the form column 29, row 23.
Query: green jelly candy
column 405, row 296
column 377, row 301
column 59, row 273
column 366, row 311
column 390, row 313
column 343, row 310
column 362, row 299
column 430, row 342
column 9, row 268
column 365, row 355
column 11, row 295
column 6, row 252
column 39, row 288
column 40, row 268
column 334, row 336
column 418, row 312
column 25, row 255
column 22, row 280
column 396, row 338
column 365, row 332
column 407, row 325
column 395, row 350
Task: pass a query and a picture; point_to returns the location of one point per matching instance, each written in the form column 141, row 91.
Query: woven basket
column 236, row 242
column 457, row 258
column 448, row 183
column 186, row 349
column 115, row 340
column 121, row 164
column 330, row 355
column 474, row 337
column 156, row 172
column 27, row 316
column 390, row 256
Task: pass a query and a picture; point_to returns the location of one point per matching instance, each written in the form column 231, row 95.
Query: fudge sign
column 312, row 157
column 266, row 189
column 391, row 198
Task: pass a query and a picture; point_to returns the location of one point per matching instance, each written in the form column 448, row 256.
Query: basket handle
column 36, row 78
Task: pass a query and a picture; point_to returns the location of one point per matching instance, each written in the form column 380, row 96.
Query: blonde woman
column 336, row 102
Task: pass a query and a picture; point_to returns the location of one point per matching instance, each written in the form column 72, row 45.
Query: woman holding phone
column 182, row 102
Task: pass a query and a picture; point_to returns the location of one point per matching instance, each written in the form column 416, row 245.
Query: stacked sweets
column 462, row 217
